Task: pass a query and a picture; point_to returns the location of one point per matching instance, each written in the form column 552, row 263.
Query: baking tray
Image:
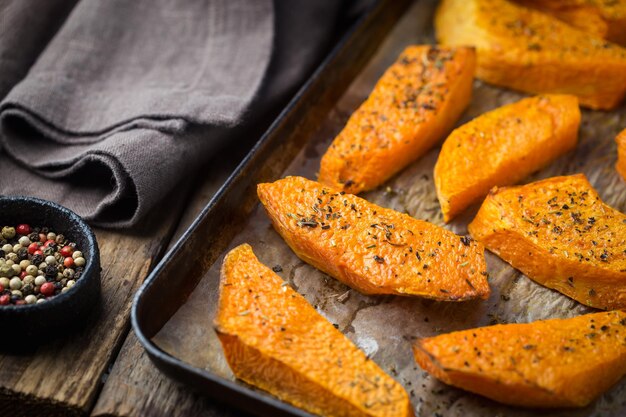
column 174, row 309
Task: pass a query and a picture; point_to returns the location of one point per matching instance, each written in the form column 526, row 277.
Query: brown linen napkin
column 129, row 98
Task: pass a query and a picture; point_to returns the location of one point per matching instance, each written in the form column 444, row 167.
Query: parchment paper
column 385, row 326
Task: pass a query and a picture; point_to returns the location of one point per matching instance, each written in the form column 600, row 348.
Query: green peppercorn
column 8, row 232
column 5, row 270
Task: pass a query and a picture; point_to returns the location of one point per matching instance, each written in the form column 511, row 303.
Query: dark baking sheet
column 173, row 317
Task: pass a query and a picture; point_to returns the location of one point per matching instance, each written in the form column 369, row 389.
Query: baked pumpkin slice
column 503, row 146
column 621, row 153
column 530, row 51
column 412, row 107
column 549, row 363
column 603, row 18
column 373, row 249
column 559, row 233
column 275, row 340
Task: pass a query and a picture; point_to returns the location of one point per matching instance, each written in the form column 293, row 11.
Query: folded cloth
column 130, row 97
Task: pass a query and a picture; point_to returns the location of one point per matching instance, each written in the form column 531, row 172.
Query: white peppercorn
column 15, row 283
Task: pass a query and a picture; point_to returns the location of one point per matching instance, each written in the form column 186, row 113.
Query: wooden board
column 64, row 377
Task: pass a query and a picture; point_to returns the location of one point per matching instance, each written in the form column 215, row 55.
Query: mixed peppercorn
column 36, row 264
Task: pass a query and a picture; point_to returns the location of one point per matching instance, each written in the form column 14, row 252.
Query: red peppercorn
column 47, row 289
column 38, row 252
column 66, row 251
column 20, row 302
column 22, row 229
column 1, row 288
column 33, row 247
column 68, row 262
column 23, row 274
column 5, row 299
column 48, row 243
column 43, row 237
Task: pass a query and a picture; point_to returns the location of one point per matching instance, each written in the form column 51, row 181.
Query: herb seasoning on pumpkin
column 372, row 255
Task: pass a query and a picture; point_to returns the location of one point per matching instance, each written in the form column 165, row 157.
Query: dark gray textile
column 130, row 97
column 24, row 32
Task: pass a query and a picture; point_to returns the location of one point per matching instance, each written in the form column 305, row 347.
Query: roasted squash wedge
column 559, row 233
column 621, row 154
column 373, row 249
column 603, row 18
column 273, row 339
column 530, row 51
column 412, row 107
column 549, row 363
column 502, row 147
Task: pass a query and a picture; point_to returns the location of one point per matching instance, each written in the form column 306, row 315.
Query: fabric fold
column 130, row 98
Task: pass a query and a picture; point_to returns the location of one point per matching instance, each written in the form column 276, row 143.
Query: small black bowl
column 34, row 324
